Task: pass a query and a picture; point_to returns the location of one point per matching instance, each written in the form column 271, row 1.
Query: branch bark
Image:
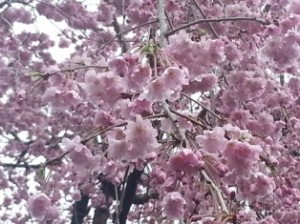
column 100, row 215
column 80, row 210
column 120, row 38
column 129, row 194
column 18, row 165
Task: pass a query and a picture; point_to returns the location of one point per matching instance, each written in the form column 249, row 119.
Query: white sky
column 53, row 30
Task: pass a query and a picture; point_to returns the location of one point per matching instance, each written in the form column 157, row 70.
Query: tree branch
column 144, row 198
column 129, row 30
column 217, row 20
column 129, row 194
column 3, row 4
column 100, row 215
column 216, row 190
column 209, row 24
column 120, row 39
column 25, row 165
column 202, row 105
column 80, row 210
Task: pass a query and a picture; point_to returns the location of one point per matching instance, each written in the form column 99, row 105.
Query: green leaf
column 41, row 173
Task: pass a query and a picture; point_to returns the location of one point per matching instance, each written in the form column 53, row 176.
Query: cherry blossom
column 174, row 205
column 153, row 111
column 39, row 205
column 185, row 160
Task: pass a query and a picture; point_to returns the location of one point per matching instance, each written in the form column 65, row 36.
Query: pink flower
column 49, row 11
column 118, row 65
column 142, row 107
column 173, row 204
column 175, row 77
column 241, row 156
column 38, row 205
column 207, row 82
column 137, row 79
column 104, row 86
column 185, row 160
column 52, row 213
column 158, row 176
column 237, row 10
column 76, row 195
column 166, row 125
column 294, row 6
column 105, row 13
column 118, row 149
column 263, row 125
column 158, row 90
column 213, row 141
column 142, row 138
column 255, row 187
column 79, row 153
column 81, row 156
column 233, row 54
column 281, row 52
column 53, row 95
column 103, row 118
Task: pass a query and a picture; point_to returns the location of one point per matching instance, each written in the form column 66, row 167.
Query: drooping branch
column 167, row 34
column 218, row 192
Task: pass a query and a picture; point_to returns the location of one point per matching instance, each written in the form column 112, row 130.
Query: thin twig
column 169, row 21
column 204, row 16
column 25, row 165
column 202, row 105
column 217, row 20
column 190, row 119
column 217, row 191
column 129, row 30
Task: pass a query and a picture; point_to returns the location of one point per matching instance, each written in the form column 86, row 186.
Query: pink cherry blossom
column 141, row 137
column 241, row 156
column 150, row 111
column 213, row 141
column 174, row 205
column 52, row 213
column 79, row 154
column 38, row 205
column 185, row 160
column 158, row 90
column 175, row 77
